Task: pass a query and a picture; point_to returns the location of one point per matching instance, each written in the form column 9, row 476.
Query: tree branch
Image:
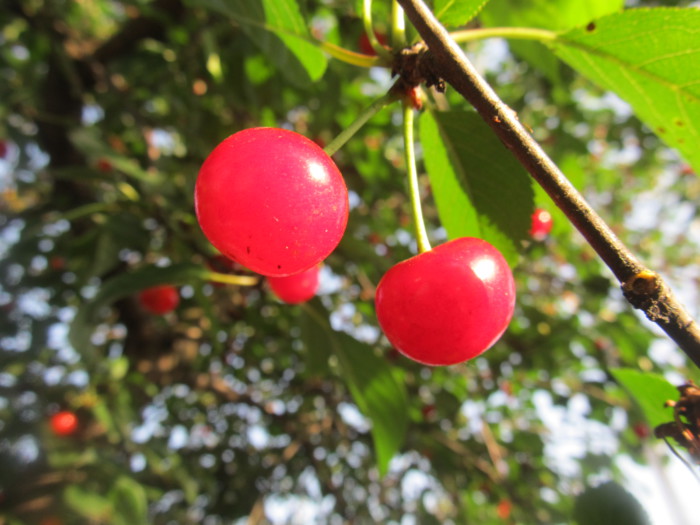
column 643, row 288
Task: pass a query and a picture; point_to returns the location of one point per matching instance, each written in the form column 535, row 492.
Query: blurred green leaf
column 316, row 343
column 129, row 500
column 375, row 389
column 68, row 459
column 279, row 30
column 609, row 504
column 479, row 188
column 127, row 284
column 650, row 391
column 649, row 58
column 87, row 504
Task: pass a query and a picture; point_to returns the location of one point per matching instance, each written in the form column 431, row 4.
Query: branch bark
column 642, row 287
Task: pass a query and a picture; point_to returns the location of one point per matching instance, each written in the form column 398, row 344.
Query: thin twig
column 643, row 288
column 683, row 460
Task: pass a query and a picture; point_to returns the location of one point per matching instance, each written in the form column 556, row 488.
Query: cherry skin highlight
column 272, row 200
column 542, row 223
column 297, row 288
column 64, row 423
column 159, row 300
column 449, row 304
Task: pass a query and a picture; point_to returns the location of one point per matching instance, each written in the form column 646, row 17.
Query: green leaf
column 479, row 188
column 650, row 391
column 66, row 459
column 374, row 387
column 127, row 284
column 88, row 140
column 457, row 12
column 544, row 14
column 649, row 57
column 87, row 504
column 278, row 29
column 609, row 504
column 548, row 14
column 130, row 502
column 318, row 350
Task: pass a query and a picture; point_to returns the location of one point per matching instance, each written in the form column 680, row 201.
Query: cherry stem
column 643, row 288
column 366, row 114
column 239, row 280
column 349, row 57
column 515, row 33
column 369, row 29
column 409, row 151
column 398, row 26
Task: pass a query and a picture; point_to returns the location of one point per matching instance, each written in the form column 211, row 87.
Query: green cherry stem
column 409, row 151
column 369, row 29
column 239, row 280
column 349, row 57
column 398, row 26
column 366, row 114
column 514, row 33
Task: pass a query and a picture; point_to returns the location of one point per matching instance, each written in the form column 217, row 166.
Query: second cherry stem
column 414, row 189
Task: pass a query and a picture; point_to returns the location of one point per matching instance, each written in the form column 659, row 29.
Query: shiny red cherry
column 298, row 288
column 272, row 200
column 159, row 300
column 64, row 423
column 449, row 304
column 541, row 224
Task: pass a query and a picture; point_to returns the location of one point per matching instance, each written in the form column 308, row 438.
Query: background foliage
column 239, row 406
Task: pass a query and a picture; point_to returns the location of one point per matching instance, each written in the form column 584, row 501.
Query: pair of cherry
column 275, row 202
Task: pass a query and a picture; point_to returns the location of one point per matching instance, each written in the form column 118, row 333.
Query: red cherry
column 64, row 423
column 294, row 289
column 641, row 430
column 104, row 165
column 541, row 224
column 428, row 412
column 504, row 509
column 272, row 200
column 57, row 262
column 365, row 45
column 687, row 170
column 160, row 299
column 449, row 304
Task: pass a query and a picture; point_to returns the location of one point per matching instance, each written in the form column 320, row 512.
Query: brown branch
column 643, row 288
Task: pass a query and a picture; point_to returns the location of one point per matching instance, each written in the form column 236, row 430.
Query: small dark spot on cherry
column 279, row 266
column 590, row 26
column 247, row 249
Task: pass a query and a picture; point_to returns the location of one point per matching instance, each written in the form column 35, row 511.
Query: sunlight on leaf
column 649, row 57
